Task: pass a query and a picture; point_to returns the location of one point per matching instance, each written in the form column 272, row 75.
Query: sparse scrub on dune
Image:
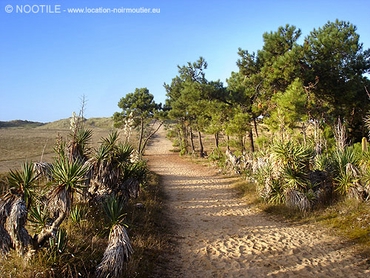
column 52, row 214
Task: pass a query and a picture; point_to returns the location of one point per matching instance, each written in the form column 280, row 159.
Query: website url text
column 58, row 9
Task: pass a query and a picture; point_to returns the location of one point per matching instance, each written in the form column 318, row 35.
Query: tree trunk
column 242, row 143
column 192, row 141
column 61, row 203
column 150, row 136
column 201, row 149
column 49, row 231
column 251, row 141
column 255, row 126
column 183, row 139
column 216, row 139
column 141, row 136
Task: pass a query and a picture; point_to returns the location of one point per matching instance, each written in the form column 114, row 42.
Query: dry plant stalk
column 340, row 135
column 116, row 254
column 15, row 225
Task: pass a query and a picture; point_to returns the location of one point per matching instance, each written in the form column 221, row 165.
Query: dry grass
column 87, row 240
column 23, row 142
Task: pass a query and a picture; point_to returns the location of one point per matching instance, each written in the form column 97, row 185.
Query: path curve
column 217, row 235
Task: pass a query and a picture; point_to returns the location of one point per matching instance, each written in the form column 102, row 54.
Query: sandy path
column 217, row 235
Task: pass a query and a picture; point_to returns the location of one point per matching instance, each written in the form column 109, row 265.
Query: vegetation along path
column 216, row 234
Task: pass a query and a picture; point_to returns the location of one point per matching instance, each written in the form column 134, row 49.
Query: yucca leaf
column 23, row 181
column 114, row 210
column 38, row 217
column 69, row 174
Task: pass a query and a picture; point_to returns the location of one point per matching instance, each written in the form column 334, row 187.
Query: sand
column 216, row 234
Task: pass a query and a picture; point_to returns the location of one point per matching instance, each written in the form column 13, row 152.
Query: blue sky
column 50, row 58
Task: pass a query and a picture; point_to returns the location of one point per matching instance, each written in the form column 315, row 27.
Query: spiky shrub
column 79, row 145
column 364, row 166
column 109, row 163
column 114, row 210
column 283, row 175
column 217, row 156
column 267, row 181
column 50, row 203
column 13, row 210
column 38, row 217
column 15, row 225
column 119, row 247
column 346, row 172
column 133, row 176
column 116, row 254
column 323, row 162
column 276, row 192
column 293, row 155
column 22, row 183
column 69, row 177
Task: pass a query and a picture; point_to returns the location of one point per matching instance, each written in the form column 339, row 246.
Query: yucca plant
column 79, row 144
column 343, row 158
column 344, row 182
column 16, row 226
column 114, row 210
column 323, row 162
column 5, row 207
column 5, row 240
column 38, row 217
column 43, row 170
column 112, row 139
column 276, row 194
column 264, row 175
column 13, row 210
column 119, row 247
column 123, row 154
column 133, row 176
column 293, row 155
column 109, row 162
column 365, row 173
column 300, row 200
column 22, row 183
column 346, row 170
column 69, row 174
column 69, row 177
column 295, row 178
